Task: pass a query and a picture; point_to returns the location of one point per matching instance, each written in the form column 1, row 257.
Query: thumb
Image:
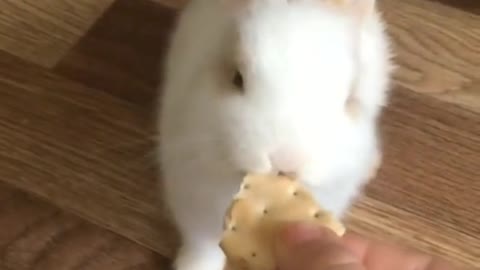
column 309, row 247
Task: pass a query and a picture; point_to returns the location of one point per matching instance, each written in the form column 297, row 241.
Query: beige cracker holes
column 263, row 204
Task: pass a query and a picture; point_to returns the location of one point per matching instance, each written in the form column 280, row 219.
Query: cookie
column 263, row 204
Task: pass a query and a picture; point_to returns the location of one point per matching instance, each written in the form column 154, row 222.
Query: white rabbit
column 290, row 86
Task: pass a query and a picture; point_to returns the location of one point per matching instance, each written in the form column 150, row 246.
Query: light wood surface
column 437, row 48
column 36, row 235
column 43, row 31
column 76, row 132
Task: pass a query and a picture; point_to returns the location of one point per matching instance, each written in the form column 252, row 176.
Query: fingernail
column 292, row 237
column 299, row 233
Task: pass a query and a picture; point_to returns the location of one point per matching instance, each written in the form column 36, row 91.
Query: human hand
column 302, row 247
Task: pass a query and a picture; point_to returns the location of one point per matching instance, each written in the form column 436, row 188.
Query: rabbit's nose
column 287, row 161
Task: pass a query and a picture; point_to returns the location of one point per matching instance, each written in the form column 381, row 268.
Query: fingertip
column 297, row 233
column 356, row 243
column 310, row 246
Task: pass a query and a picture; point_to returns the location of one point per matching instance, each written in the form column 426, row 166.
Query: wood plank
column 93, row 144
column 123, row 52
column 472, row 6
column 429, row 184
column 81, row 149
column 36, row 235
column 85, row 144
column 51, row 28
column 437, row 48
column 382, row 221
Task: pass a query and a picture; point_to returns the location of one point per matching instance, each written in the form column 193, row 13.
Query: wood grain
column 76, row 131
column 382, row 221
column 106, row 188
column 472, row 6
column 90, row 147
column 36, row 235
column 123, row 51
column 429, row 184
column 437, row 48
column 49, row 30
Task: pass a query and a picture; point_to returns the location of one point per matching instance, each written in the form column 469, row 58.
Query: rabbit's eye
column 237, row 80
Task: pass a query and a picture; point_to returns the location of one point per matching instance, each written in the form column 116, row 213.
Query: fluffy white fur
column 300, row 60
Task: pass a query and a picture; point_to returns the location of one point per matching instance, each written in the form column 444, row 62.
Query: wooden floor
column 77, row 177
